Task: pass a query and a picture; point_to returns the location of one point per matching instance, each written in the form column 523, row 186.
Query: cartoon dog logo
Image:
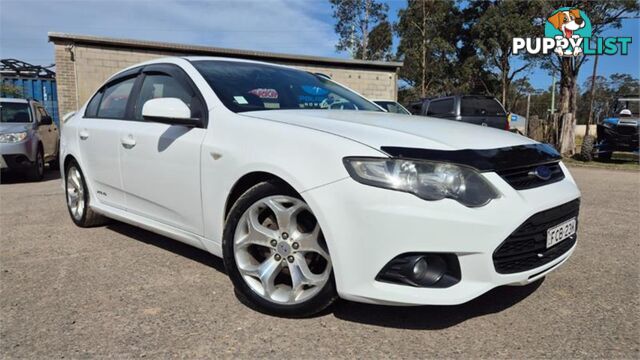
column 567, row 21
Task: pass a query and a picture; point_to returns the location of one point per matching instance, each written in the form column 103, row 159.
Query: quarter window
column 92, row 107
column 114, row 100
column 441, row 107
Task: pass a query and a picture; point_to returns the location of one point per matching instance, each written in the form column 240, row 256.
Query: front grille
column 524, row 177
column 526, row 248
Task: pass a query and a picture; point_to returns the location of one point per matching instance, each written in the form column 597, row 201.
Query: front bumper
column 366, row 227
column 17, row 156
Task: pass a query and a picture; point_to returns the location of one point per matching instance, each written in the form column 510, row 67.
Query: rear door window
column 115, row 98
column 480, row 106
column 440, row 107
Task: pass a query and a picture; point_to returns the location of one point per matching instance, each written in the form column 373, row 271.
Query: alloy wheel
column 75, row 193
column 280, row 251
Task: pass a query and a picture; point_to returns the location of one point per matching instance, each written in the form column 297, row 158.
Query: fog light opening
column 422, row 270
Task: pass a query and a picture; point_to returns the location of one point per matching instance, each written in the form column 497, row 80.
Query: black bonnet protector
column 484, row 160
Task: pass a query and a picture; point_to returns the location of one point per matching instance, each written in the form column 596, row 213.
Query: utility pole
column 593, row 94
column 553, row 93
column 526, row 127
column 353, row 50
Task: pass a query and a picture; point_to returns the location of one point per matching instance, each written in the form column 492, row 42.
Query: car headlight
column 13, row 137
column 428, row 180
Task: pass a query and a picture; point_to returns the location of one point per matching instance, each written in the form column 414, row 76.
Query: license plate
column 560, row 232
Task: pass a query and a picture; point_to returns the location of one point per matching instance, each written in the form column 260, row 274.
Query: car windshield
column 245, row 86
column 480, row 106
column 393, row 107
column 630, row 105
column 12, row 112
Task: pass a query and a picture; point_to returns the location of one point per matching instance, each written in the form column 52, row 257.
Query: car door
column 42, row 129
column 161, row 162
column 48, row 133
column 99, row 133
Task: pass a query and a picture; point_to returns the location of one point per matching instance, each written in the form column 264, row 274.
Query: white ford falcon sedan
column 310, row 192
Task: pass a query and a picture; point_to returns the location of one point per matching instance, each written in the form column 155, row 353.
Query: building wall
column 81, row 69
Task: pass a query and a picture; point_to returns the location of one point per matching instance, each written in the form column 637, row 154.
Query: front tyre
column 78, row 198
column 275, row 253
column 36, row 171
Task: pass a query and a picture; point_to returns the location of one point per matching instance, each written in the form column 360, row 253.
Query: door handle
column 84, row 135
column 128, row 142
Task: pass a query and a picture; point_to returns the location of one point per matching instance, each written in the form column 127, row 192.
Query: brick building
column 84, row 62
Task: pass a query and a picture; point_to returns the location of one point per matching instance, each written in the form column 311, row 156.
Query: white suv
column 306, row 203
column 28, row 138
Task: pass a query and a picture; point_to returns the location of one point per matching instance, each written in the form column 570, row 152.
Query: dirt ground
column 118, row 291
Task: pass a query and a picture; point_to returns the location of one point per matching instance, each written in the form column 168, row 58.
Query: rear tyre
column 275, row 253
column 78, row 198
column 36, row 172
column 588, row 145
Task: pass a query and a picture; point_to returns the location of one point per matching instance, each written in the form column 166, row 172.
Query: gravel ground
column 118, row 291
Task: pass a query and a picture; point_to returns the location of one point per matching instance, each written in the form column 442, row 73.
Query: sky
column 285, row 26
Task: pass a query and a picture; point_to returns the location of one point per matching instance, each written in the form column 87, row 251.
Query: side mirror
column 171, row 111
column 46, row 120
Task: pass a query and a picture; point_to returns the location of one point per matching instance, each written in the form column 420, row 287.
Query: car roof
column 180, row 60
column 231, row 59
column 460, row 96
column 14, row 100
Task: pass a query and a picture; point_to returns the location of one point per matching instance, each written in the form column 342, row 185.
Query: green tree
column 624, row 85
column 10, row 90
column 356, row 19
column 473, row 75
column 379, row 43
column 604, row 14
column 602, row 95
column 516, row 98
column 493, row 36
column 606, row 90
column 428, row 33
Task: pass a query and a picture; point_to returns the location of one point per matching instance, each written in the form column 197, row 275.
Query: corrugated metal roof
column 224, row 52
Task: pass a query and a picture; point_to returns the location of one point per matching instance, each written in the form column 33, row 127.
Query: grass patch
column 619, row 161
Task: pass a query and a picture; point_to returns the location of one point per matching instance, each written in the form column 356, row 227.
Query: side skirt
column 160, row 228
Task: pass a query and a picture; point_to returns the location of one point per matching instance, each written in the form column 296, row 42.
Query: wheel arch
column 247, row 181
column 67, row 160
